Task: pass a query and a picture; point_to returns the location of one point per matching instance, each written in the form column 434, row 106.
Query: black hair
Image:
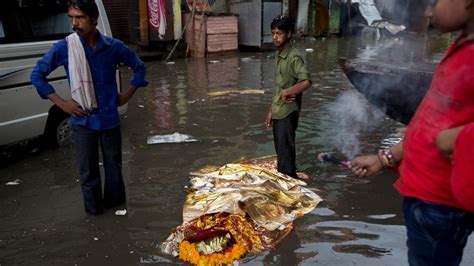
column 87, row 6
column 284, row 23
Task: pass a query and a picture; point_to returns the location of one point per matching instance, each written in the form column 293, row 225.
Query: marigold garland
column 189, row 252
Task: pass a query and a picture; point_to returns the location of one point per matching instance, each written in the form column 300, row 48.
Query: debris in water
column 170, row 138
column 14, row 182
column 382, row 216
column 121, row 212
column 227, row 92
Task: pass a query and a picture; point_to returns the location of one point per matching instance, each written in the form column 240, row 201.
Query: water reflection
column 360, row 221
column 353, row 242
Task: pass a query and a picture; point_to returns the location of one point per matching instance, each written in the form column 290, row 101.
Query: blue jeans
column 87, row 153
column 437, row 234
column 284, row 134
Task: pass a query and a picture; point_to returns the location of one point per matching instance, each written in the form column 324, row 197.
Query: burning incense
column 327, row 157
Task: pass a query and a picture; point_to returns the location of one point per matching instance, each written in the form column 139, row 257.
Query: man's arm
column 39, row 78
column 139, row 72
column 129, row 58
column 301, row 74
column 446, row 140
column 68, row 106
column 289, row 94
column 268, row 119
column 125, row 96
column 41, row 71
column 363, row 166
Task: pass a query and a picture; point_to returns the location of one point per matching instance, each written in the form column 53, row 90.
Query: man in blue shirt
column 101, row 124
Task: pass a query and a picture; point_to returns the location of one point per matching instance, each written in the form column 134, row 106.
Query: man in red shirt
column 437, row 222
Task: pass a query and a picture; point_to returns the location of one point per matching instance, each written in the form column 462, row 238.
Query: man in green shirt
column 291, row 79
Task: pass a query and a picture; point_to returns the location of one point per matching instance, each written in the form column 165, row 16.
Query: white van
column 28, row 29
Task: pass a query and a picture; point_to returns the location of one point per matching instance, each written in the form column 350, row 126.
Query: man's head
column 451, row 15
column 83, row 15
column 282, row 30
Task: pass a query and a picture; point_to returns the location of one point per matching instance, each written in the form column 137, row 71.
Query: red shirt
column 462, row 175
column 425, row 172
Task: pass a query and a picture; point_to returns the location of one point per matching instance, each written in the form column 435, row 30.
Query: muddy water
column 359, row 223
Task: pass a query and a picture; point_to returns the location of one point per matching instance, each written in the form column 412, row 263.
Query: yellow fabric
column 177, row 27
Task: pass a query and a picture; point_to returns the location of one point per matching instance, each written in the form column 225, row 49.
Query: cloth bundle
column 237, row 209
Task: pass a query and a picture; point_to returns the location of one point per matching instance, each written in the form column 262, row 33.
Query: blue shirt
column 103, row 61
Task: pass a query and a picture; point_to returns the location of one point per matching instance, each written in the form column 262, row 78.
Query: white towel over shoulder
column 80, row 78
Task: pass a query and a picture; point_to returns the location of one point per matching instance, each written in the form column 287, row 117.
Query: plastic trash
column 170, row 138
column 14, row 182
column 121, row 212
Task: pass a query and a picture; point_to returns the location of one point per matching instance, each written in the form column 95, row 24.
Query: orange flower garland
column 189, row 252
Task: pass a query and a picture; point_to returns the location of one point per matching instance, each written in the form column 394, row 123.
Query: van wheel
column 58, row 131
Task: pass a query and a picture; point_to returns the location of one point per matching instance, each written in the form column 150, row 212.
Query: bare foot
column 303, row 176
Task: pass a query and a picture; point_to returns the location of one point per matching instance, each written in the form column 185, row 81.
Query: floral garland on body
column 190, row 253
column 209, row 240
column 221, row 227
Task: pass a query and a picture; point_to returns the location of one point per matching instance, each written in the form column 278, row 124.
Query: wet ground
column 359, row 223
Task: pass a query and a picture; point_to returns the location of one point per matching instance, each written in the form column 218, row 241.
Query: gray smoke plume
column 353, row 116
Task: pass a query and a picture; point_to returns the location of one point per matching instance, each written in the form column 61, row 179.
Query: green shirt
column 289, row 70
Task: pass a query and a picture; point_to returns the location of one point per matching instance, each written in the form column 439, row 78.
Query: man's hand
column 73, row 108
column 268, row 120
column 69, row 106
column 363, row 166
column 446, row 140
column 287, row 97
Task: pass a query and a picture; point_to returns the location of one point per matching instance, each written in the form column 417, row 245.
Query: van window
column 33, row 20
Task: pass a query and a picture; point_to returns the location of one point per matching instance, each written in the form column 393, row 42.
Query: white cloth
column 371, row 14
column 80, row 77
column 369, row 11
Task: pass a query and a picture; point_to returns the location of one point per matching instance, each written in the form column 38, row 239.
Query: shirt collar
column 283, row 54
column 101, row 42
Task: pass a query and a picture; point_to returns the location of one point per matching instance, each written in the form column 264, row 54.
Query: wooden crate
column 212, row 33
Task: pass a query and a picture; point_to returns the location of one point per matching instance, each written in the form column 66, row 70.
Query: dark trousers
column 87, row 152
column 437, row 234
column 284, row 133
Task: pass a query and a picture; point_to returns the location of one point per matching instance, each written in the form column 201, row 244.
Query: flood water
column 359, row 222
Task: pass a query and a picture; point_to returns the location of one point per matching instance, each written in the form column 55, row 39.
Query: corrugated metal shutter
column 118, row 12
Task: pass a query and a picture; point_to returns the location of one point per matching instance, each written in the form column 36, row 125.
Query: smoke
column 353, row 116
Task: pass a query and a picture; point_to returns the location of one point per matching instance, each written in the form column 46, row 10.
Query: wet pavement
column 359, row 223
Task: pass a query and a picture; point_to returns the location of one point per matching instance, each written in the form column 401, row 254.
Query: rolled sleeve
column 301, row 72
column 137, row 65
column 41, row 71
